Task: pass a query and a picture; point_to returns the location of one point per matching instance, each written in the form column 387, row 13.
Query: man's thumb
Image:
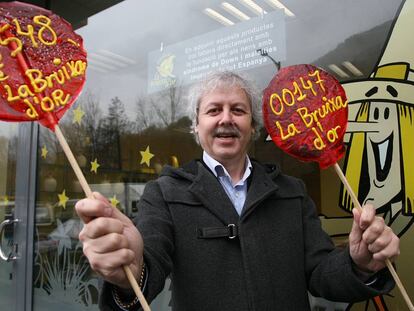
column 356, row 233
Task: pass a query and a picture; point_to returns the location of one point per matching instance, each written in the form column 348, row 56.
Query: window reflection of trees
column 143, row 122
column 161, row 109
column 114, row 133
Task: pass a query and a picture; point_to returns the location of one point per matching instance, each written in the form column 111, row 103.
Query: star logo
column 78, row 114
column 94, row 166
column 114, row 201
column 44, row 152
column 146, row 156
column 166, row 66
column 63, row 199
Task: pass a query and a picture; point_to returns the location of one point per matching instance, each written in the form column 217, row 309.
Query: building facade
column 131, row 120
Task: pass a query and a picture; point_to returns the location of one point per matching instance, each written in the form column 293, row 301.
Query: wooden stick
column 137, row 290
column 78, row 172
column 387, row 261
column 87, row 189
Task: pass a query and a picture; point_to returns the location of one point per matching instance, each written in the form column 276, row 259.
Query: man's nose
column 226, row 117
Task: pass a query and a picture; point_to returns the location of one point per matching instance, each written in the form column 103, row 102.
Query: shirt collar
column 219, row 170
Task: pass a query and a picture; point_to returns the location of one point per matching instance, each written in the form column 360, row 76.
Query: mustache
column 226, row 131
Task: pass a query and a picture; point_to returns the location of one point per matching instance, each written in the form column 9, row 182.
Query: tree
column 172, row 98
column 113, row 126
column 161, row 109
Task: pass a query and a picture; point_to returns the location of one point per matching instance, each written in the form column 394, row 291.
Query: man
column 234, row 234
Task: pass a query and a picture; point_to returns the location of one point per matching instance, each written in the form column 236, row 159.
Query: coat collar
column 205, row 186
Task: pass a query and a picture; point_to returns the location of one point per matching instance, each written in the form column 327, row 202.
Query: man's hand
column 110, row 240
column 371, row 241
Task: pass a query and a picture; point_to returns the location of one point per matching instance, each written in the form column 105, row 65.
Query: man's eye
column 212, row 111
column 238, row 111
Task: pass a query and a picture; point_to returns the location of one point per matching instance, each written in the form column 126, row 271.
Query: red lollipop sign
column 305, row 112
column 42, row 64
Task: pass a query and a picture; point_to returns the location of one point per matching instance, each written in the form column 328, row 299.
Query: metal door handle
column 11, row 256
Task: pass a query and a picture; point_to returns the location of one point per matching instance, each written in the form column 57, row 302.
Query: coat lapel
column 261, row 187
column 212, row 195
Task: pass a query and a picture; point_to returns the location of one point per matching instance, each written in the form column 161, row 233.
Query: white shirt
column 236, row 193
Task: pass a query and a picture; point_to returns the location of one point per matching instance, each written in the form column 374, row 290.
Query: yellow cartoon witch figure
column 379, row 162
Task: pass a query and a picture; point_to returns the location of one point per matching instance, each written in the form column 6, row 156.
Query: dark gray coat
column 279, row 253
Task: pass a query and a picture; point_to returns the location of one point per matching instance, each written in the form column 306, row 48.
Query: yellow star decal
column 94, row 166
column 114, row 201
column 78, row 114
column 63, row 199
column 44, row 152
column 6, row 200
column 146, row 156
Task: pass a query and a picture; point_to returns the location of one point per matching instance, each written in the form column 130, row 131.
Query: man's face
column 225, row 124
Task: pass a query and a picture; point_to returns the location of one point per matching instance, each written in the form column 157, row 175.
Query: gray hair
column 227, row 79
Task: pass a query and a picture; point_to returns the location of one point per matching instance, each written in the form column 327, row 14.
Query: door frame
column 25, row 198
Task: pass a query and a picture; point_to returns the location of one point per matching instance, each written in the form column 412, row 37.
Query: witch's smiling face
column 383, row 154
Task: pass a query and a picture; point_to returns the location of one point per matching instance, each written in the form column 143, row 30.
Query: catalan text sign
column 228, row 48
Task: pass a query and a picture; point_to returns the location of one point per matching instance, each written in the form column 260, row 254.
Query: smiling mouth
column 383, row 157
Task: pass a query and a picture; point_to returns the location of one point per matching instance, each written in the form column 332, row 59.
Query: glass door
column 17, row 174
column 62, row 277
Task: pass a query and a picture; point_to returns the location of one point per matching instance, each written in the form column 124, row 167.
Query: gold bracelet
column 141, row 278
column 120, row 303
column 136, row 300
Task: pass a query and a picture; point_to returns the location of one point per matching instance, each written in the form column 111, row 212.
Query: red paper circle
column 42, row 80
column 305, row 112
